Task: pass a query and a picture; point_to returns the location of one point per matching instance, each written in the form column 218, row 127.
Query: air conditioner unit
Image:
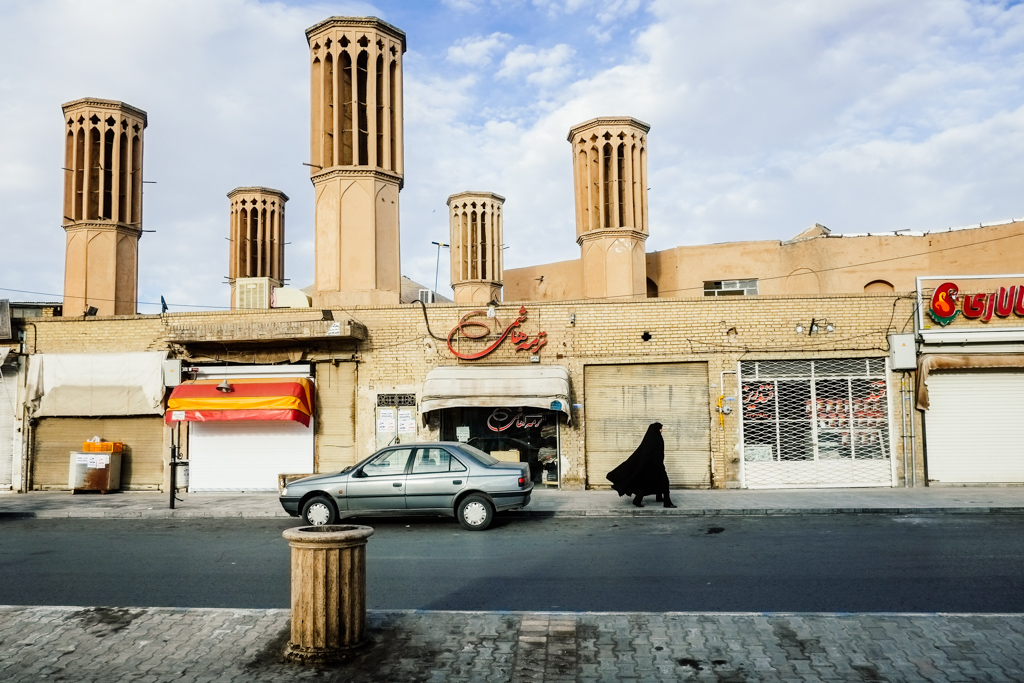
column 426, row 296
column 254, row 292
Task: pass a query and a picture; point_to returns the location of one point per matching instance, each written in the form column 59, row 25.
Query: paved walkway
column 191, row 645
column 547, row 502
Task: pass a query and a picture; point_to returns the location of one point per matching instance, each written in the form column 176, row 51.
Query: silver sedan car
column 437, row 478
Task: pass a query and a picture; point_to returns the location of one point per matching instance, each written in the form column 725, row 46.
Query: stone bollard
column 328, row 590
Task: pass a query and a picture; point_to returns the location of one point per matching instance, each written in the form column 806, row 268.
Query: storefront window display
column 518, row 434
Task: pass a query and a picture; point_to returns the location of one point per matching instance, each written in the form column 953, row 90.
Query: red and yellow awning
column 288, row 398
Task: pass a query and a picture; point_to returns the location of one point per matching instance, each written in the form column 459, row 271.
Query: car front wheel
column 318, row 511
column 475, row 513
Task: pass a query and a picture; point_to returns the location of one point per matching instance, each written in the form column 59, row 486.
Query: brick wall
column 398, row 351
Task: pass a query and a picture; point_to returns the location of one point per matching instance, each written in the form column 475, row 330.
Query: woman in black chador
column 643, row 473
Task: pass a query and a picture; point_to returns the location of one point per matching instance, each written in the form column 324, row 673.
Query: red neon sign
column 476, row 329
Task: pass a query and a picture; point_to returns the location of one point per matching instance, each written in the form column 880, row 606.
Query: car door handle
column 397, row 485
column 456, row 482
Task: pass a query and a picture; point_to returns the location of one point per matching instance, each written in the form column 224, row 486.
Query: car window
column 388, row 464
column 485, row 458
column 431, row 460
column 457, row 466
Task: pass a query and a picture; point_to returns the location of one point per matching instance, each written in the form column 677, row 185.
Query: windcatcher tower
column 476, row 246
column 103, row 142
column 257, row 245
column 610, row 178
column 356, row 157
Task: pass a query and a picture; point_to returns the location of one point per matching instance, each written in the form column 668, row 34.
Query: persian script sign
column 1002, row 302
column 472, row 327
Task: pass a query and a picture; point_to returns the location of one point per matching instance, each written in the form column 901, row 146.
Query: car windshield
column 485, row 458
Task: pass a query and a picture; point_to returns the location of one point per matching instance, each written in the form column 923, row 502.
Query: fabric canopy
column 287, row 398
column 96, row 384
column 491, row 386
column 959, row 361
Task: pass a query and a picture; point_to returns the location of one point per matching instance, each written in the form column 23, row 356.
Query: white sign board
column 406, row 421
column 386, row 420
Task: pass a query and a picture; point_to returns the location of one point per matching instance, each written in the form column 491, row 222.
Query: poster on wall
column 386, row 420
column 406, row 421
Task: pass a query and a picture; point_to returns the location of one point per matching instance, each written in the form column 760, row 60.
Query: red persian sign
column 1002, row 302
column 478, row 329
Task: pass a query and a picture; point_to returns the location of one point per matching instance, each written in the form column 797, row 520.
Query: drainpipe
column 903, row 433
column 723, row 410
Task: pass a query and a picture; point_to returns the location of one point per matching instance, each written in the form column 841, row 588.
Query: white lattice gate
column 815, row 423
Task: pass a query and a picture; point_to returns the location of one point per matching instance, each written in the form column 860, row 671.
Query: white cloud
column 542, row 67
column 766, row 117
column 477, row 51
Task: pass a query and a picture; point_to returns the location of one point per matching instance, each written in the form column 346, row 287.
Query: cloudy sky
column 767, row 116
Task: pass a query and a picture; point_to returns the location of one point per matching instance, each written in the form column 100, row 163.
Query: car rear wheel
column 475, row 513
column 319, row 510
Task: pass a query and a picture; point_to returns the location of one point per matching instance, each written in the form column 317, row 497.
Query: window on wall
column 730, row 287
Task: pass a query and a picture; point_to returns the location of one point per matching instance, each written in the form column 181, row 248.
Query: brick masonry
column 176, row 644
column 398, row 351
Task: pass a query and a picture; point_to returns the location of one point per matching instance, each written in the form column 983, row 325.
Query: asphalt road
column 833, row 563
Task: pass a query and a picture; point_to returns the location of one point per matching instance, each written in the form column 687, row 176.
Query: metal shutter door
column 247, row 456
column 8, row 390
column 621, row 401
column 975, row 427
column 336, row 416
column 142, row 464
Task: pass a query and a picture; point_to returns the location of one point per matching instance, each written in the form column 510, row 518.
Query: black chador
column 643, row 473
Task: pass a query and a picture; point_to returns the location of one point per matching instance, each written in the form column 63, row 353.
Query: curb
column 220, row 513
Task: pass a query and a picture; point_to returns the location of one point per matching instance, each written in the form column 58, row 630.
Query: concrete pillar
column 328, row 590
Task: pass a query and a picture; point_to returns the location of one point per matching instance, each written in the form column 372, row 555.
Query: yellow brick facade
column 398, row 350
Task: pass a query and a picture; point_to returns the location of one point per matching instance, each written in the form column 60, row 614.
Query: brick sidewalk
column 192, row 645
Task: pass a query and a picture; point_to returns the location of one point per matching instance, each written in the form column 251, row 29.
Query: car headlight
column 284, row 491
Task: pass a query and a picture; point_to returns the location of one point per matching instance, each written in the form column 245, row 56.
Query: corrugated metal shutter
column 8, row 389
column 975, row 429
column 336, row 416
column 247, row 456
column 142, row 464
column 621, row 401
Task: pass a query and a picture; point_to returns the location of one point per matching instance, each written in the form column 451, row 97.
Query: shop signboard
column 472, row 326
column 947, row 303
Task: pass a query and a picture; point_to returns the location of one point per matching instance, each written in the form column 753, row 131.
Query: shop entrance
column 515, row 434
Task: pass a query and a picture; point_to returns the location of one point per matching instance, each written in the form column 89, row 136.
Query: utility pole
column 437, row 266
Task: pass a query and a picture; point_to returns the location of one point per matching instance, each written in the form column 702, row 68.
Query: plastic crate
column 102, row 447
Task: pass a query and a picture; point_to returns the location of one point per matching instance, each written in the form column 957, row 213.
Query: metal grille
column 815, row 422
column 392, row 400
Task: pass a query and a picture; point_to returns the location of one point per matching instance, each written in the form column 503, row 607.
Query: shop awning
column 96, row 384
column 288, row 398
column 492, row 386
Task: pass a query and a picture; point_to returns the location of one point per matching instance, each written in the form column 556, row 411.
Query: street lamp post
column 437, row 266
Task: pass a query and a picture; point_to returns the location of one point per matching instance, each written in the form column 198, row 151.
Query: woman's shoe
column 670, row 504
column 638, row 501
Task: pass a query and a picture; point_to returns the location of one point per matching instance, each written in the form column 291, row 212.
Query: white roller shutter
column 975, row 427
column 621, row 401
column 7, row 393
column 247, row 456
